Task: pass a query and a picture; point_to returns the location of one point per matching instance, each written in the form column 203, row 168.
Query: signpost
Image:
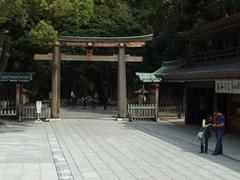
column 223, row 86
column 39, row 110
column 227, row 86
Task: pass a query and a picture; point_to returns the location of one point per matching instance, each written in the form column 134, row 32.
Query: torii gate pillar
column 55, row 95
column 90, row 42
column 122, row 88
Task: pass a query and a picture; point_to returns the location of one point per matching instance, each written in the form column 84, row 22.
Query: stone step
column 167, row 116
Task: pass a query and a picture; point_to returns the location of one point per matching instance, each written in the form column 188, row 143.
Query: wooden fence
column 7, row 102
column 29, row 111
column 142, row 111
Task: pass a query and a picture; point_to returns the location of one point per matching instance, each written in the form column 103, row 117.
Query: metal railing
column 142, row 111
column 215, row 55
column 29, row 111
column 175, row 109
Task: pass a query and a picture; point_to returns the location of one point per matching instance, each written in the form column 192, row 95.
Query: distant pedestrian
column 94, row 100
column 206, row 128
column 105, row 101
column 73, row 99
column 84, row 100
column 220, row 124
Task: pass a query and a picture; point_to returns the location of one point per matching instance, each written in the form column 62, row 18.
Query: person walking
column 206, row 128
column 220, row 124
column 73, row 99
column 84, row 99
column 94, row 100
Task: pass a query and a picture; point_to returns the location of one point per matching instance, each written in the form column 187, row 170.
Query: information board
column 223, row 86
column 39, row 106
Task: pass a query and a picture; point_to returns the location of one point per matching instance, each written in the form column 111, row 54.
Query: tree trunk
column 4, row 51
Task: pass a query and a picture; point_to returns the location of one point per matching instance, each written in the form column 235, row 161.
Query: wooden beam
column 102, row 44
column 65, row 57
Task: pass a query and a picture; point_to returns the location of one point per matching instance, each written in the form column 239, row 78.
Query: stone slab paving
column 25, row 153
column 63, row 170
column 98, row 148
column 188, row 133
column 92, row 145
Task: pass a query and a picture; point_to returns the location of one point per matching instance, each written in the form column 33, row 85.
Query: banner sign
column 236, row 86
column 223, row 86
column 39, row 106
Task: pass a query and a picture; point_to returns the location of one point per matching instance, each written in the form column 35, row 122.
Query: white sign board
column 236, row 86
column 39, row 106
column 223, row 86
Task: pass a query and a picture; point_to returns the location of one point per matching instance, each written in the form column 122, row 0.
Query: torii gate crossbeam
column 89, row 42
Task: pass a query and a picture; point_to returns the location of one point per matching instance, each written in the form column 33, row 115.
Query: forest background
column 33, row 25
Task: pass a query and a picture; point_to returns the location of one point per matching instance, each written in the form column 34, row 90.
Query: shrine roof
column 202, row 72
column 212, row 27
column 142, row 38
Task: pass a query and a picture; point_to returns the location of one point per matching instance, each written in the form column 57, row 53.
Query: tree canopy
column 43, row 18
column 37, row 22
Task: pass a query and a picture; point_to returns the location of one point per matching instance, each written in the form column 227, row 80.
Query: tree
column 167, row 17
column 4, row 49
column 41, row 19
column 110, row 18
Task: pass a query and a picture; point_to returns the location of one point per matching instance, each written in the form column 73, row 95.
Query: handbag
column 200, row 135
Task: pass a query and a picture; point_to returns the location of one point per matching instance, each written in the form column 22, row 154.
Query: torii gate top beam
column 132, row 41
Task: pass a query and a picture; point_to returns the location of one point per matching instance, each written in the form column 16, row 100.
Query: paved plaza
column 88, row 144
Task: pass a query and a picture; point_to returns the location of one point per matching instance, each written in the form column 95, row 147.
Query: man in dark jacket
column 220, row 124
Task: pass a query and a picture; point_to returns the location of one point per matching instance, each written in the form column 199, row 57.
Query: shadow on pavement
column 68, row 112
column 11, row 125
column 167, row 134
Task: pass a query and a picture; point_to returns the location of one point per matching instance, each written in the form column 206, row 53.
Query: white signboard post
column 39, row 109
column 223, row 86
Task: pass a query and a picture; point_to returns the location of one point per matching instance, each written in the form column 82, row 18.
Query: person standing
column 105, row 101
column 73, row 99
column 220, row 124
column 206, row 125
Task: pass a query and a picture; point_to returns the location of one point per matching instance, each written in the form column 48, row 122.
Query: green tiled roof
column 147, row 77
column 168, row 66
column 158, row 75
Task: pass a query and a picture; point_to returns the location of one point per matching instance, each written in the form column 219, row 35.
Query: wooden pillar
column 18, row 86
column 143, row 102
column 122, row 89
column 55, row 101
column 214, row 101
column 189, row 60
column 157, row 99
column 186, row 104
column 21, row 94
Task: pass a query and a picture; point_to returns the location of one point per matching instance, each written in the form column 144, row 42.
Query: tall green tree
column 110, row 18
column 41, row 19
column 167, row 17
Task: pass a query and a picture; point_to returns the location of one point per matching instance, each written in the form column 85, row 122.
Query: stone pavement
column 25, row 152
column 231, row 142
column 92, row 145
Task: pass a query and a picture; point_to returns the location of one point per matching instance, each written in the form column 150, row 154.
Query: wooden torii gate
column 89, row 42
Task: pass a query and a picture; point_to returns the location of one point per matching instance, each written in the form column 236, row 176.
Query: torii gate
column 89, row 42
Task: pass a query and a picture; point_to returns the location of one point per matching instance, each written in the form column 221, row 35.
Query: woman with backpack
column 206, row 129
